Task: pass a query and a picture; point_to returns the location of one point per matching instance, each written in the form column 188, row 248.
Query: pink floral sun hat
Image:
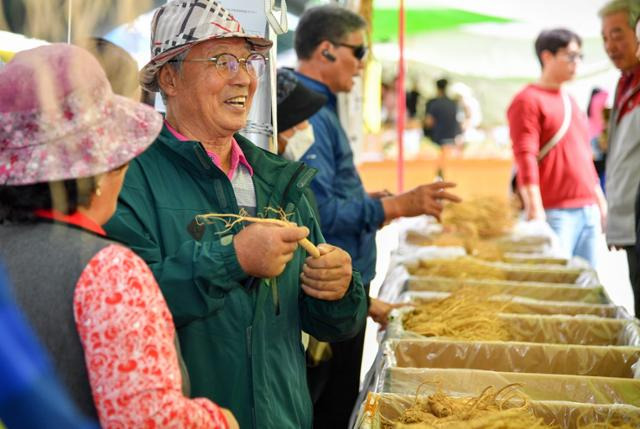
column 180, row 24
column 59, row 118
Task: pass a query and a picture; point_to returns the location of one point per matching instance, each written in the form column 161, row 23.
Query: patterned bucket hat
column 59, row 118
column 180, row 24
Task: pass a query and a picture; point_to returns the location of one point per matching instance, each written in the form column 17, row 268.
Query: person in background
column 119, row 66
column 66, row 144
column 240, row 295
column 441, row 121
column 296, row 104
column 556, row 177
column 618, row 18
column 411, row 100
column 27, row 378
column 329, row 43
column 597, row 124
column 121, row 69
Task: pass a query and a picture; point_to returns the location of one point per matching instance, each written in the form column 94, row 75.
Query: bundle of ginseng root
column 484, row 217
column 505, row 408
column 467, row 314
column 459, row 268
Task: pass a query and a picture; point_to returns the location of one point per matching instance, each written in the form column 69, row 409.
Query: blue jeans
column 578, row 230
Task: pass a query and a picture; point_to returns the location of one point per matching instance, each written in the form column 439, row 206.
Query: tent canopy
column 48, row 19
column 417, row 21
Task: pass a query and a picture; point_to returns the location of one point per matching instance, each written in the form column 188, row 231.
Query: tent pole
column 400, row 99
column 69, row 22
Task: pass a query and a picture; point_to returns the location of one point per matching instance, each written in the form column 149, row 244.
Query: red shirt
column 566, row 176
column 128, row 335
column 625, row 101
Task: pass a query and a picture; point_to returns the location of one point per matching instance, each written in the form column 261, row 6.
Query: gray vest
column 44, row 262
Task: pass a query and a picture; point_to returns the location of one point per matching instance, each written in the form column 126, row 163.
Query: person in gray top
column 619, row 18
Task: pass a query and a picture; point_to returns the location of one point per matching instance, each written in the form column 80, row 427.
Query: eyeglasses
column 359, row 51
column 228, row 65
column 573, row 57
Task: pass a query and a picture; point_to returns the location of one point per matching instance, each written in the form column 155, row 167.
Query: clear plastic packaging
column 534, row 290
column 598, row 361
column 553, row 329
column 520, row 272
column 522, row 305
column 538, row 387
column 380, row 407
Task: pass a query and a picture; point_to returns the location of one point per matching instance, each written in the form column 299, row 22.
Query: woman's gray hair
column 632, row 7
column 176, row 64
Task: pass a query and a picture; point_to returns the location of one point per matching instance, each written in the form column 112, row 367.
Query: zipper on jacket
column 305, row 179
column 287, row 188
column 275, row 294
column 274, row 283
column 249, row 356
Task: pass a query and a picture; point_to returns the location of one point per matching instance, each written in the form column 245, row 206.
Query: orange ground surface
column 475, row 177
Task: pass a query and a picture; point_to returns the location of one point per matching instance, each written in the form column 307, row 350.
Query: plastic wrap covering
column 470, row 267
column 381, row 407
column 542, row 387
column 599, row 361
column 542, row 291
column 555, row 329
column 528, row 258
column 521, row 305
column 560, row 329
column 526, row 237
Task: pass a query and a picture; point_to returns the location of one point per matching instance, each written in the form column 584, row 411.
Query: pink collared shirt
column 237, row 156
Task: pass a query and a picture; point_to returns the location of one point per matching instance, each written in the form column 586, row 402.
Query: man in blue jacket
column 330, row 45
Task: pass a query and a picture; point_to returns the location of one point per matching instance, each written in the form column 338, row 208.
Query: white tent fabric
column 12, row 42
column 496, row 60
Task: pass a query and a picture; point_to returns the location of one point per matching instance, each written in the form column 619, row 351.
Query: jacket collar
column 319, row 87
column 285, row 179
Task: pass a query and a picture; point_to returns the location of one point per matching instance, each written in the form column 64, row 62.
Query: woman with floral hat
column 65, row 144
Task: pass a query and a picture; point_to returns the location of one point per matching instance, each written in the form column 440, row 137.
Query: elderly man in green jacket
column 240, row 296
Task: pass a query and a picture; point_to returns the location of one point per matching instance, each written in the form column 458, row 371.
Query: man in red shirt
column 550, row 136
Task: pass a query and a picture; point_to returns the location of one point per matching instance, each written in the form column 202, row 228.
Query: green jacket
column 240, row 336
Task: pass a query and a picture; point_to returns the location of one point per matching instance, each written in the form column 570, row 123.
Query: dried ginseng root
column 467, row 314
column 230, row 219
column 490, row 216
column 504, row 408
column 459, row 268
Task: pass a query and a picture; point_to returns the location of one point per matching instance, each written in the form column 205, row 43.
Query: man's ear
column 546, row 56
column 325, row 47
column 167, row 80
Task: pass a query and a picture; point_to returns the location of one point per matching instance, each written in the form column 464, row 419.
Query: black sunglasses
column 358, row 51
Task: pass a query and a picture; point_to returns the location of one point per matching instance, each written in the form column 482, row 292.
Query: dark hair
column 555, row 39
column 441, row 84
column 594, row 92
column 17, row 203
column 321, row 23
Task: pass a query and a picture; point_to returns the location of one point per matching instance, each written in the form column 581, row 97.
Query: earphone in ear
column 328, row 55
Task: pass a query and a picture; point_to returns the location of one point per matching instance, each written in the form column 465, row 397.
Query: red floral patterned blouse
column 128, row 337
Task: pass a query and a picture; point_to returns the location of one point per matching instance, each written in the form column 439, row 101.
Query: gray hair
column 176, row 64
column 632, row 7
